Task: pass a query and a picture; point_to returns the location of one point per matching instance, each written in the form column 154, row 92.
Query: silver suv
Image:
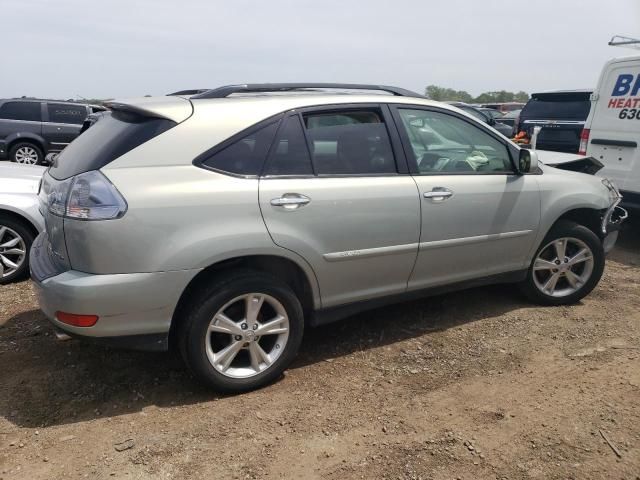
column 227, row 222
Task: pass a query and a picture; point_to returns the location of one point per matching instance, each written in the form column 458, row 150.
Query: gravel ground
column 471, row 385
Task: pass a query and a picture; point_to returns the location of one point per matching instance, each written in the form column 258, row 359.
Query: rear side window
column 246, row 155
column 349, row 143
column 28, row 111
column 558, row 107
column 61, row 113
column 290, row 154
column 112, row 136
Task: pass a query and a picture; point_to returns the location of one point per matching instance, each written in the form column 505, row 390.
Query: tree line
column 443, row 94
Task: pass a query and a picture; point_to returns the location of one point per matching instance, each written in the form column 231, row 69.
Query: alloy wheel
column 27, row 155
column 13, row 251
column 563, row 267
column 247, row 335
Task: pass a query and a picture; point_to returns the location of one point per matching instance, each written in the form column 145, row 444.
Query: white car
column 612, row 130
column 20, row 218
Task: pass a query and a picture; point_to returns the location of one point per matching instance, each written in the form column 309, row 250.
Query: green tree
column 443, row 94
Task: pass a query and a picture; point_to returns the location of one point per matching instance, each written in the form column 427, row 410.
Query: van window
column 27, row 111
column 61, row 113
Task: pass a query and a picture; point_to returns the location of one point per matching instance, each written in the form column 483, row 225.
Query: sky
column 128, row 48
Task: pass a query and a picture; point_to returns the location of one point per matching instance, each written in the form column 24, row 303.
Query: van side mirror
column 527, row 161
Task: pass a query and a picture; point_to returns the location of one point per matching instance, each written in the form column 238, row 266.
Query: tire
column 230, row 294
column 575, row 277
column 26, row 153
column 10, row 231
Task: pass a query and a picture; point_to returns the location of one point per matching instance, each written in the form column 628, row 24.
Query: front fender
column 564, row 191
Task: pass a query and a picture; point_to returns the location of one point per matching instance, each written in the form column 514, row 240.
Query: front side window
column 349, row 143
column 27, row 111
column 61, row 113
column 246, row 155
column 443, row 144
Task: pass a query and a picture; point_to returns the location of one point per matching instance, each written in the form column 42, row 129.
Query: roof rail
column 620, row 41
column 194, row 91
column 222, row 92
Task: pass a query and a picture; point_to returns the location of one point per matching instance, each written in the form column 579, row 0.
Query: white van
column 612, row 130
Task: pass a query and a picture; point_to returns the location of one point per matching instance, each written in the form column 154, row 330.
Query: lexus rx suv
column 228, row 222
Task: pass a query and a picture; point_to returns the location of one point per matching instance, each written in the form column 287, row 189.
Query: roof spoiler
column 173, row 108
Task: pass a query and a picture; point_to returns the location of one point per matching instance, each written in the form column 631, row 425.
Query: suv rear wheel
column 242, row 331
column 566, row 267
column 15, row 242
column 27, row 153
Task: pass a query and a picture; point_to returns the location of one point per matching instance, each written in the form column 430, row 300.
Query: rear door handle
column 438, row 194
column 291, row 201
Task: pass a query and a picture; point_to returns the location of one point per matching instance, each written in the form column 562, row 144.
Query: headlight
column 88, row 196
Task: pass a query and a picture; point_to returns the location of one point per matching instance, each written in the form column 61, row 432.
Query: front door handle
column 438, row 194
column 291, row 201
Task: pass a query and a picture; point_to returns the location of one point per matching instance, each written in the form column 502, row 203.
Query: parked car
column 486, row 115
column 612, row 131
column 226, row 224
column 20, row 218
column 510, row 119
column 561, row 114
column 504, row 107
column 31, row 128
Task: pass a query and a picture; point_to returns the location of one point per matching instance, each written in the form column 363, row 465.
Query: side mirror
column 491, row 121
column 528, row 161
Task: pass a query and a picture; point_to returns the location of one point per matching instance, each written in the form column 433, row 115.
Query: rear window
column 558, row 107
column 111, row 137
column 27, row 111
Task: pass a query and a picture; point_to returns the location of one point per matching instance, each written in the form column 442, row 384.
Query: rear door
column 614, row 137
column 561, row 115
column 62, row 124
column 334, row 192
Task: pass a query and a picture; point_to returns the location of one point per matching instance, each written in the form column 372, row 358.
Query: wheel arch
column 299, row 279
column 589, row 217
column 23, row 219
column 27, row 137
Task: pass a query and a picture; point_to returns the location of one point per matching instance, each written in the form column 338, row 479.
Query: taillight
column 87, row 196
column 584, row 140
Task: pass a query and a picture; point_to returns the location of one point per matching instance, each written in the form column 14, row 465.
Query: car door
column 479, row 217
column 334, row 192
column 62, row 124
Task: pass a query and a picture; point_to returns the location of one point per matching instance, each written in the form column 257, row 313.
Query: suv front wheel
column 566, row 267
column 242, row 331
column 27, row 153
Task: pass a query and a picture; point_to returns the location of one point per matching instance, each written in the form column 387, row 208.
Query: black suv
column 31, row 128
column 561, row 115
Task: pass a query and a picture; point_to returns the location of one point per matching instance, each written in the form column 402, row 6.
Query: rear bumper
column 134, row 309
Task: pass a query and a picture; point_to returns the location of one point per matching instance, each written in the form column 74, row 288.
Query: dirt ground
column 471, row 385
